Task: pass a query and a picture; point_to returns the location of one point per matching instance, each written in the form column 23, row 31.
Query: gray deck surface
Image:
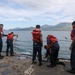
column 13, row 66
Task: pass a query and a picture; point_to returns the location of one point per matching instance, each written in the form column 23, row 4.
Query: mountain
column 22, row 29
column 66, row 26
column 59, row 27
column 62, row 26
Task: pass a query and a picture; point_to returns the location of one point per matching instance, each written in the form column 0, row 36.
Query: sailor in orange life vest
column 1, row 34
column 37, row 44
column 10, row 43
column 53, row 47
column 72, row 48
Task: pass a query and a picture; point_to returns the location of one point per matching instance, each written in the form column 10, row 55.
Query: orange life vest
column 10, row 36
column 1, row 29
column 52, row 39
column 36, row 35
column 1, row 32
column 72, row 33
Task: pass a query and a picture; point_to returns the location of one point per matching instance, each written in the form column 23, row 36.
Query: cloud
column 37, row 10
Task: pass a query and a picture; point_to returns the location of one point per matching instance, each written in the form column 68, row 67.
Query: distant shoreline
column 42, row 30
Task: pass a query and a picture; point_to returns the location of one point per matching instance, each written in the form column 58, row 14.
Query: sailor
column 9, row 41
column 37, row 44
column 1, row 34
column 53, row 47
column 72, row 48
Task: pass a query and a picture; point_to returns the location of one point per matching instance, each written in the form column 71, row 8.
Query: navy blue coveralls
column 9, row 46
column 72, row 59
column 0, row 43
column 54, row 53
column 37, row 49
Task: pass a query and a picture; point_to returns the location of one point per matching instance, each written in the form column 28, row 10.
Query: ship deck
column 18, row 66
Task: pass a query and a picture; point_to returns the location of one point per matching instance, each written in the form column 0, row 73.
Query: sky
column 27, row 13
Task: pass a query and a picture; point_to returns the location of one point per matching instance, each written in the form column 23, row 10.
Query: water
column 24, row 42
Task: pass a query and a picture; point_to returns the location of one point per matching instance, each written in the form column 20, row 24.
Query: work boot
column 71, row 71
column 34, row 62
column 50, row 65
column 12, row 55
column 1, row 55
column 7, row 54
column 40, row 64
column 55, row 64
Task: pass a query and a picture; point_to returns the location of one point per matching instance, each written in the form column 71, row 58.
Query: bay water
column 24, row 42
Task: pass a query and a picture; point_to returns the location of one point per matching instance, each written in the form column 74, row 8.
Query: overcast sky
column 26, row 13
